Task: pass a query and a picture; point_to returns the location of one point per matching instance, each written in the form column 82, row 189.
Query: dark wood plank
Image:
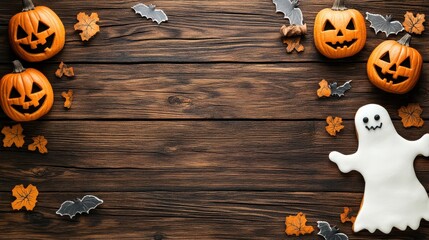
column 227, row 91
column 198, row 31
column 188, row 155
column 183, row 215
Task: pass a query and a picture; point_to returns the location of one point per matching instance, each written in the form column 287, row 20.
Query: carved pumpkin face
column 36, row 34
column 26, row 94
column 339, row 33
column 394, row 67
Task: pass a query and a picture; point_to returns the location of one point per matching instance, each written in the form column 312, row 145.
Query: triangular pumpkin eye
column 406, row 63
column 42, row 27
column 386, row 57
column 14, row 93
column 328, row 26
column 21, row 33
column 36, row 88
column 351, row 25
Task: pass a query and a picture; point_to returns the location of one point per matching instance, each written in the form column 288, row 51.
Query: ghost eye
column 36, row 88
column 328, row 26
column 14, row 93
column 406, row 63
column 377, row 117
column 21, row 33
column 386, row 57
column 365, row 120
column 351, row 25
column 42, row 27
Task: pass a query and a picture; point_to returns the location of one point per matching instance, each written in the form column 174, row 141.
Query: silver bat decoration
column 291, row 11
column 384, row 24
column 329, row 233
column 339, row 90
column 71, row 208
column 150, row 12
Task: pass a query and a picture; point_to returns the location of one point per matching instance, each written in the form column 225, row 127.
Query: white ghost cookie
column 393, row 195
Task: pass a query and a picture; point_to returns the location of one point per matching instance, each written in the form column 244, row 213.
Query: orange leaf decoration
column 334, row 125
column 69, row 98
column 411, row 115
column 414, row 24
column 25, row 197
column 13, row 136
column 295, row 225
column 345, row 216
column 88, row 25
column 324, row 90
column 293, row 43
column 63, row 69
column 39, row 143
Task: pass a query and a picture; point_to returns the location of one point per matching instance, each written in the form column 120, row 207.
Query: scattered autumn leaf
column 334, row 125
column 295, row 225
column 40, row 143
column 293, row 43
column 414, row 24
column 345, row 216
column 63, row 69
column 324, row 90
column 13, row 135
column 25, row 197
column 68, row 98
column 411, row 115
column 88, row 25
column 293, row 30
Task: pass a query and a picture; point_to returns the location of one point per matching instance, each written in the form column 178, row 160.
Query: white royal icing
column 393, row 195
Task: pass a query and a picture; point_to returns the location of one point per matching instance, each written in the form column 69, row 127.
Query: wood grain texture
column 221, row 91
column 199, row 31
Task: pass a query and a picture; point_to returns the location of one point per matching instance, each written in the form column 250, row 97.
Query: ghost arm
column 422, row 145
column 345, row 163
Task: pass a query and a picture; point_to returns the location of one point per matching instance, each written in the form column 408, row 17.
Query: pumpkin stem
column 405, row 40
column 27, row 5
column 339, row 5
column 17, row 67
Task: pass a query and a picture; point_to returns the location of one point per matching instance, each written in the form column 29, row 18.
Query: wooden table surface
column 199, row 128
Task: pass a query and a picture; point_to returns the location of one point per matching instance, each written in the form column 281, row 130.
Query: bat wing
column 380, row 24
column 90, row 202
column 325, row 229
column 291, row 12
column 393, row 28
column 339, row 236
column 156, row 15
column 339, row 91
column 69, row 208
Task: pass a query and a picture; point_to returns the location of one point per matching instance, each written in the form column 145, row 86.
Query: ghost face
column 373, row 119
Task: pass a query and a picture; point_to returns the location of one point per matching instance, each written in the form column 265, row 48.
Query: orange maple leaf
column 13, row 136
column 69, row 98
column 293, row 43
column 25, row 197
column 295, row 225
column 324, row 90
column 334, row 125
column 345, row 216
column 411, row 115
column 40, row 143
column 88, row 25
column 414, row 24
column 63, row 69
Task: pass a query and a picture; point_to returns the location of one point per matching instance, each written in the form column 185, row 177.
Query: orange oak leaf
column 13, row 135
column 324, row 90
column 88, row 25
column 334, row 125
column 68, row 98
column 295, row 225
column 345, row 216
column 293, row 43
column 411, row 115
column 414, row 24
column 63, row 69
column 40, row 143
column 25, row 197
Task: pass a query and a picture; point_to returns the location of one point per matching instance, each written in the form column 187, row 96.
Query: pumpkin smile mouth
column 374, row 128
column 41, row 48
column 388, row 77
column 31, row 109
column 342, row 45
